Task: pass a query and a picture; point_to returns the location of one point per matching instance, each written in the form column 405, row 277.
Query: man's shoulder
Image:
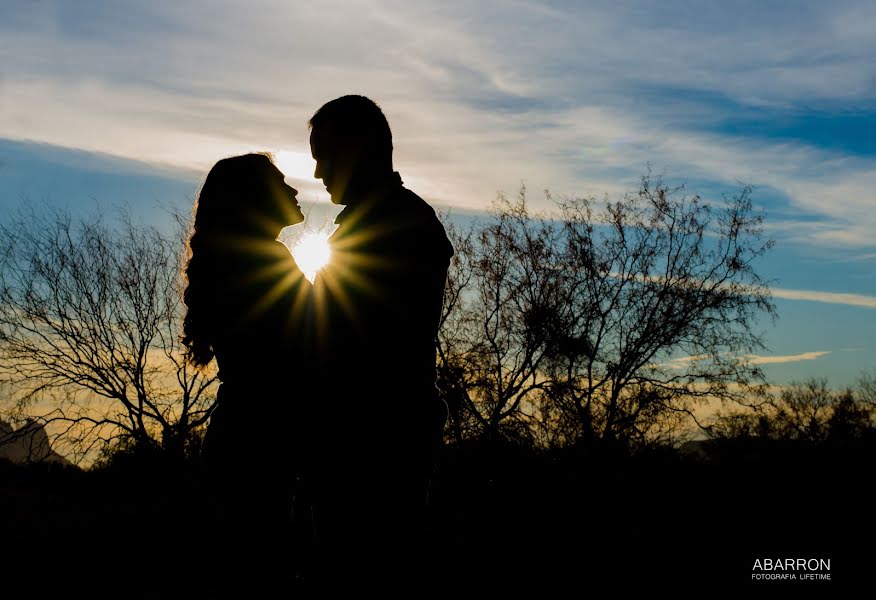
column 425, row 222
column 399, row 221
column 420, row 212
column 412, row 201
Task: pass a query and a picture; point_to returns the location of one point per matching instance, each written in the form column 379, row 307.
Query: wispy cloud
column 683, row 362
column 790, row 358
column 826, row 297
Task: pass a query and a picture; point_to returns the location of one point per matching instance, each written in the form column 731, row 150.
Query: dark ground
column 503, row 522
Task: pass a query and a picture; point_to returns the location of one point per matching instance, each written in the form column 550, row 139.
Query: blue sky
column 130, row 102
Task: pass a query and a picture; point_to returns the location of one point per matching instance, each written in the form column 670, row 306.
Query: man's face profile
column 335, row 161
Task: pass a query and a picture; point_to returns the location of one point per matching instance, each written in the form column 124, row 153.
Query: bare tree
column 867, row 390
column 606, row 323
column 665, row 298
column 501, row 292
column 805, row 412
column 90, row 318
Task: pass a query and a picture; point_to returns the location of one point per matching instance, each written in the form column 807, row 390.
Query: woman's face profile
column 279, row 203
column 286, row 198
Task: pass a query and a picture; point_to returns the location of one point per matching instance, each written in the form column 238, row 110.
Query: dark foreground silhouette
column 501, row 519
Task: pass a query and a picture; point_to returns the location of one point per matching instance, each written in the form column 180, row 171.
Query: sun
column 312, row 253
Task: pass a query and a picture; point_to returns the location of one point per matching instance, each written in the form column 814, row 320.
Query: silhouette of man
column 378, row 307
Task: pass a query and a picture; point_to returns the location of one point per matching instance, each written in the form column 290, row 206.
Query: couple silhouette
column 327, row 391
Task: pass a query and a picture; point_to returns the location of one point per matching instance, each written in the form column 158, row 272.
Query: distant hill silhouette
column 28, row 444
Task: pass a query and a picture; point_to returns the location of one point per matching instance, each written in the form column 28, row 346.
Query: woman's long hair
column 227, row 209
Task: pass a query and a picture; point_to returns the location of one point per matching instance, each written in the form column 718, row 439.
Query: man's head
column 351, row 143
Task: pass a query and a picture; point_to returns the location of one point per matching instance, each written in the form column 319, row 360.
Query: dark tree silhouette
column 604, row 323
column 90, row 333
column 495, row 335
column 808, row 411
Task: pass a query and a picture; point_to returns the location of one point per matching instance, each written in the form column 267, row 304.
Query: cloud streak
column 684, row 362
column 860, row 300
column 790, row 358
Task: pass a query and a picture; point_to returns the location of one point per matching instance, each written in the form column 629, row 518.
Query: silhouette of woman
column 246, row 300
